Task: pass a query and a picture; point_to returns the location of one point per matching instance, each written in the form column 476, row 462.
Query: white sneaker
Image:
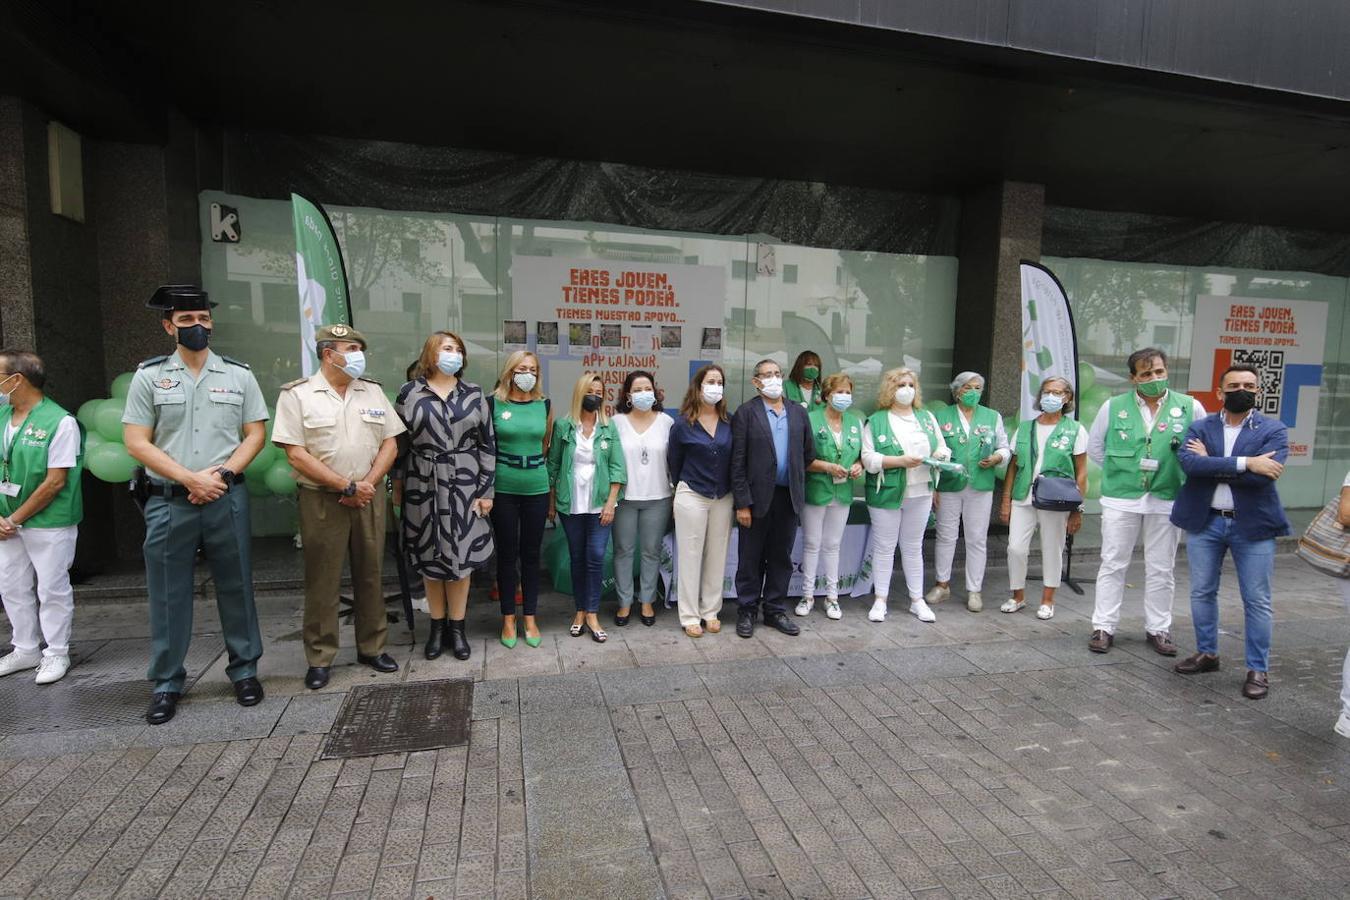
column 920, row 610
column 53, row 668
column 832, row 610
column 937, row 593
column 1343, row 725
column 974, row 602
column 17, row 662
column 804, row 606
column 1046, row 611
column 878, row 611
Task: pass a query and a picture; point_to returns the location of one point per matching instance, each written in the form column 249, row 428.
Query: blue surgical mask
column 643, row 400
column 1051, row 403
column 356, row 363
column 449, row 362
column 6, row 396
column 841, row 401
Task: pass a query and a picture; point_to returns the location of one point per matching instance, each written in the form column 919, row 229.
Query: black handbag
column 1055, row 493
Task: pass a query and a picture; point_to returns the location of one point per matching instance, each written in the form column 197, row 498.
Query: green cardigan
column 609, row 463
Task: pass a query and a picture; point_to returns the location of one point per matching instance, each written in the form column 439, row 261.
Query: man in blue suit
column 1232, row 460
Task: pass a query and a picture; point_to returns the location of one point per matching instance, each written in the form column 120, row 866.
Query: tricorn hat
column 179, row 297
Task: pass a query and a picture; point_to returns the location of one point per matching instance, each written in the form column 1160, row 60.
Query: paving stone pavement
column 981, row 756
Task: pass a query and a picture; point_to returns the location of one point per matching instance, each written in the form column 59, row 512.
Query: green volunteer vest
column 886, row 489
column 1128, row 442
column 520, row 429
column 793, row 392
column 820, row 488
column 25, row 464
column 1058, row 451
column 968, row 449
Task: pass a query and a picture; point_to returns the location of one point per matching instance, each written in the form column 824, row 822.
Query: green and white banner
column 1049, row 345
column 320, row 276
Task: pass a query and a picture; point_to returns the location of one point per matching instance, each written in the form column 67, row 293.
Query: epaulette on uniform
column 369, row 381
column 151, row 361
column 235, row 362
column 290, row 384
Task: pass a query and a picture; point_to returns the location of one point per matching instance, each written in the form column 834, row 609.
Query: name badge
column 1148, row 465
column 9, row 489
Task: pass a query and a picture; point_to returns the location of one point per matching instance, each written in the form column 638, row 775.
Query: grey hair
column 25, row 363
column 963, row 379
column 322, row 346
column 762, row 362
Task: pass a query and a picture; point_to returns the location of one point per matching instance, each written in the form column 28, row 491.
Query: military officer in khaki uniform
column 195, row 420
column 338, row 431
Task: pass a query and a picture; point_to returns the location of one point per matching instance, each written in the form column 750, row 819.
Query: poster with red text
column 612, row 317
column 1283, row 339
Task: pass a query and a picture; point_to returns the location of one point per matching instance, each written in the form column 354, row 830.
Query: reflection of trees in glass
column 1117, row 295
column 894, row 288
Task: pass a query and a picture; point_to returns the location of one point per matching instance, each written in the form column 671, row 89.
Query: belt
column 517, row 461
column 1226, row 513
column 443, row 456
column 177, row 490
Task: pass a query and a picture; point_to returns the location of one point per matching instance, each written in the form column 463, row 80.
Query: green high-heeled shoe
column 534, row 641
column 508, row 643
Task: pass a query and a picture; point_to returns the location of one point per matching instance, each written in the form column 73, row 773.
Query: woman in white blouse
column 897, row 439
column 644, row 512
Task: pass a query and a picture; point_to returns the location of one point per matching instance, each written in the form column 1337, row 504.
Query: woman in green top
column 829, row 490
column 522, row 419
column 803, row 382
column 587, row 470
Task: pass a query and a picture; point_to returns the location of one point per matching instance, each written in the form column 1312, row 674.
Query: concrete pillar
column 16, row 273
column 1000, row 227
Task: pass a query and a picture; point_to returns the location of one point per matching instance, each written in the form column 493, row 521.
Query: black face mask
column 591, row 402
column 194, row 337
column 1238, row 402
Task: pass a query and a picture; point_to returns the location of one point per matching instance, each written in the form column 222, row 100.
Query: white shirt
column 645, row 456
column 911, row 440
column 63, row 448
column 1223, row 493
column 583, row 473
column 1043, row 432
column 1148, row 504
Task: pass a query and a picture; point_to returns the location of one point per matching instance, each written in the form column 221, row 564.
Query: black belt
column 1226, row 513
column 177, row 490
column 517, row 461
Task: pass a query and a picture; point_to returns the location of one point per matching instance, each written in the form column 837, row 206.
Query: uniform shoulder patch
column 151, row 361
column 369, row 381
column 290, row 384
column 235, row 362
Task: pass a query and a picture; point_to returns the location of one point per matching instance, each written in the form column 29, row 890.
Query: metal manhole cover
column 401, row 718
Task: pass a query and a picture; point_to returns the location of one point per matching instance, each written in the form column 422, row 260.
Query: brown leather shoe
column 1257, row 686
column 1161, row 642
column 1101, row 641
column 1197, row 663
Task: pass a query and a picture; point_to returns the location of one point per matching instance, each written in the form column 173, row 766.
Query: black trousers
column 764, row 556
column 518, row 526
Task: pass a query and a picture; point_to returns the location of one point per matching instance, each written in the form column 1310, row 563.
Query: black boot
column 436, row 639
column 459, row 645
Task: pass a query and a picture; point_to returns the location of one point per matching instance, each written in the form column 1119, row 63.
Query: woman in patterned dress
column 445, row 477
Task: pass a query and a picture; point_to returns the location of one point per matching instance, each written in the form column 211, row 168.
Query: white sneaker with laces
column 1343, row 725
column 1047, row 611
column 832, row 610
column 920, row 610
column 937, row 593
column 804, row 606
column 17, row 662
column 975, row 602
column 878, row 611
column 52, row 668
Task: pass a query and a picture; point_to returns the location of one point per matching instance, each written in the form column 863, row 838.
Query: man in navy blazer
column 1232, row 460
column 771, row 445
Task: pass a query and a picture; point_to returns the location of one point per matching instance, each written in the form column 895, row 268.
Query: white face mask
column 449, row 361
column 904, row 395
column 525, row 381
column 712, row 393
column 771, row 387
column 643, row 400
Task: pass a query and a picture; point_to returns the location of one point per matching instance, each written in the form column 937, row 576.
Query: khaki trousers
column 331, row 534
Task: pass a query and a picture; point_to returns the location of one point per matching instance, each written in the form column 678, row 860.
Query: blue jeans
column 1255, row 561
column 586, row 541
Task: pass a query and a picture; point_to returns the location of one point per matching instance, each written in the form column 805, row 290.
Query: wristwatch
column 350, row 489
column 226, row 475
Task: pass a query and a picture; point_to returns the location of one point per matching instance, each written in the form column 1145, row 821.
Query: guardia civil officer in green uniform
column 195, row 420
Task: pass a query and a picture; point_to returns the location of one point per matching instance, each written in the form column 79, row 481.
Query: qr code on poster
column 1270, row 363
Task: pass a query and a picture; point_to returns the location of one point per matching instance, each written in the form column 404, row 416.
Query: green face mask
column 810, row 373
column 970, row 399
column 1152, row 388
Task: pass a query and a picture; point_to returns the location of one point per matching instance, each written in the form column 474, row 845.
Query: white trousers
column 1119, row 531
column 904, row 526
column 702, row 534
column 970, row 509
column 1022, row 524
column 822, row 532
column 35, row 586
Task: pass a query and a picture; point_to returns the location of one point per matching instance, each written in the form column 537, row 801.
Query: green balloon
column 121, row 384
column 85, row 414
column 108, row 420
column 92, row 439
column 111, row 462
column 1094, row 481
column 1087, row 413
column 934, row 406
column 280, row 481
column 257, row 487
column 1087, row 376
column 262, row 463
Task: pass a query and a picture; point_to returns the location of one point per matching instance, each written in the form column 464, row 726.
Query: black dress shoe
column 620, row 620
column 316, row 677
column 382, row 663
column 782, row 623
column 162, row 707
column 745, row 622
column 649, row 621
column 248, row 691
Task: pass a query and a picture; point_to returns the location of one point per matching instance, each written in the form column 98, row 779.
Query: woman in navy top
column 699, row 459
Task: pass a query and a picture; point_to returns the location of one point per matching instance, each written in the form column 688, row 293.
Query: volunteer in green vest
column 587, row 470
column 195, row 420
column 41, row 455
column 1052, row 444
column 897, row 439
column 1135, row 439
column 975, row 435
column 804, row 382
column 837, row 431
column 522, row 419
